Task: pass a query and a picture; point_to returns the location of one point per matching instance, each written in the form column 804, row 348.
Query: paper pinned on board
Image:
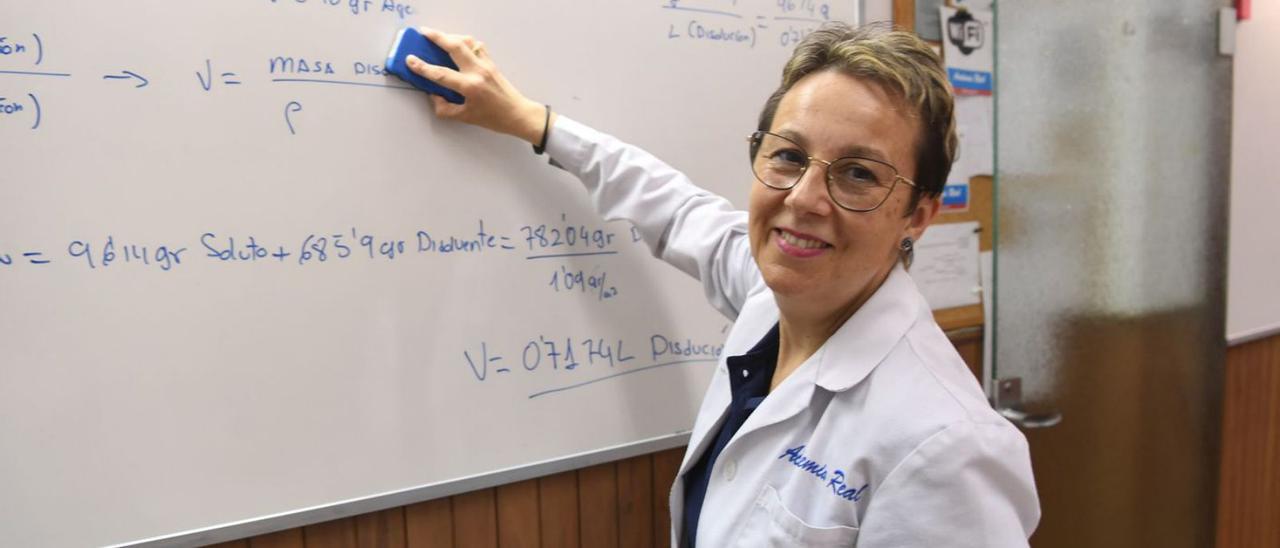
column 975, row 128
column 946, row 267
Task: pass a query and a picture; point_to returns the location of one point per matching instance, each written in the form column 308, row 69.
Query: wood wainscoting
column 1249, row 483
column 617, row 504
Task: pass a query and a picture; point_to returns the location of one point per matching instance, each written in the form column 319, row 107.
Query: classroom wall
column 1249, row 484
column 1254, row 254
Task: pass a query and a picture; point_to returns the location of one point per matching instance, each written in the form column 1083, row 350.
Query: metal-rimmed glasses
column 854, row 183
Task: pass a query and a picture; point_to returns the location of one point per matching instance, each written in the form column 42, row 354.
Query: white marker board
column 248, row 282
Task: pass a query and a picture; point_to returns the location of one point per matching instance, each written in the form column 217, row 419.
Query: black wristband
column 546, row 128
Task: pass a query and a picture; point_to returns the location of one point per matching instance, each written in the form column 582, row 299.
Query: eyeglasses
column 855, row 184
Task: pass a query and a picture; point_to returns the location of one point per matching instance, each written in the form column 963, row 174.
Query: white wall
column 877, row 10
column 1253, row 300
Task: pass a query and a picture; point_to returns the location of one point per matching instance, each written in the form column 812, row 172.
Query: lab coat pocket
column 771, row 524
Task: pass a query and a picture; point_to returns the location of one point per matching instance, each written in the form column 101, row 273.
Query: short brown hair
column 900, row 62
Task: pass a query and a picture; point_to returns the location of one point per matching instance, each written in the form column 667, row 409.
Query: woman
column 841, row 413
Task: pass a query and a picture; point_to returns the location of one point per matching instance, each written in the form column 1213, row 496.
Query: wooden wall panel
column 383, row 529
column 289, row 538
column 558, row 499
column 339, row 533
column 666, row 464
column 518, row 525
column 475, row 519
column 598, row 505
column 429, row 524
column 635, row 502
column 1249, row 483
column 904, row 14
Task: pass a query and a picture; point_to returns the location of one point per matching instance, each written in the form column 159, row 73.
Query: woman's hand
column 491, row 101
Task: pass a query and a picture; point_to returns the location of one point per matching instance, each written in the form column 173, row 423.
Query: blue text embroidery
column 835, row 479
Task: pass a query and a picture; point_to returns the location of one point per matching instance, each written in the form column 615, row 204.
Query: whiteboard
column 1253, row 271
column 247, row 281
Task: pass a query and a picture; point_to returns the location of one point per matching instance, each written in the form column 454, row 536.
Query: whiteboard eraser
column 411, row 42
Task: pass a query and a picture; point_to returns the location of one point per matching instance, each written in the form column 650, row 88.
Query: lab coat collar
column 716, row 401
column 844, row 360
column 870, row 334
column 720, row 396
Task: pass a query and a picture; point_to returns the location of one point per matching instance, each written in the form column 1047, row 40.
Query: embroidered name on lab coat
column 835, row 479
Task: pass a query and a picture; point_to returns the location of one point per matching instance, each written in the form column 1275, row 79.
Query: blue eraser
column 411, row 42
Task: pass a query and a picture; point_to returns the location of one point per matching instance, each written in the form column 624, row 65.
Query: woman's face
column 809, row 249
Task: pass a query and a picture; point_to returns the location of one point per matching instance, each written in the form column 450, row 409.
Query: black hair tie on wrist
column 546, row 128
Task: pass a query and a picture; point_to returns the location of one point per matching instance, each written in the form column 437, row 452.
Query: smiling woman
column 839, row 413
column 822, row 258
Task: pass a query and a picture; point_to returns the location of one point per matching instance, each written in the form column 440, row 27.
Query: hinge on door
column 1227, row 31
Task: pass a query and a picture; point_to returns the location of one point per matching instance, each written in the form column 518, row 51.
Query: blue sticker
column 955, row 197
column 975, row 80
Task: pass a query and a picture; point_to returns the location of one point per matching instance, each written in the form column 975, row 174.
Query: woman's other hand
column 491, row 101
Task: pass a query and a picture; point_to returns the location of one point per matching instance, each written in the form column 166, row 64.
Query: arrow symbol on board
column 127, row 74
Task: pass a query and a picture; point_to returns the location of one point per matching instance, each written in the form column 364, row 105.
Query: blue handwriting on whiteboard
column 361, row 7
column 19, row 48
column 663, row 346
column 574, row 357
column 574, row 238
column 595, row 283
column 11, row 108
column 108, row 252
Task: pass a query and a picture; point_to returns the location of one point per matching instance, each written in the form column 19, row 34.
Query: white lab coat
column 881, row 438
